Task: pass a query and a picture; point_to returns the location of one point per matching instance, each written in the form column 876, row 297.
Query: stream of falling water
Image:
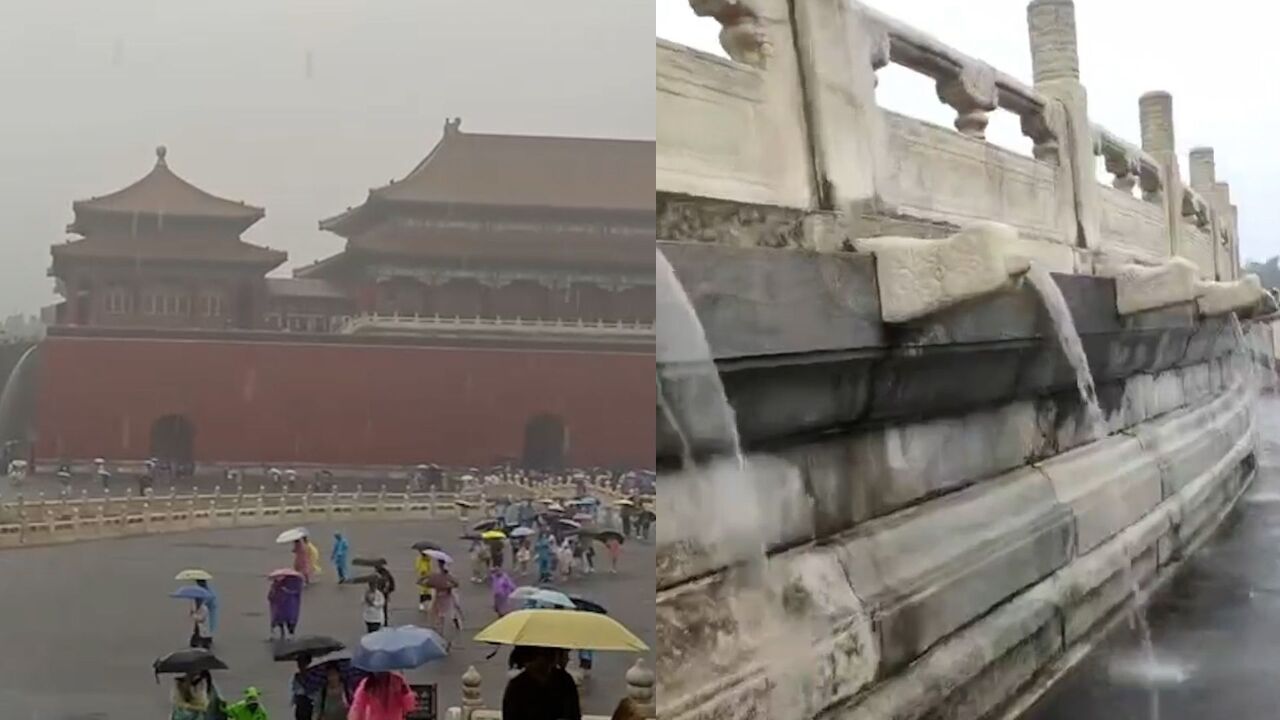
column 1150, row 672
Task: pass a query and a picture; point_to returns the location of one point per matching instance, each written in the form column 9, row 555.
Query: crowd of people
column 542, row 539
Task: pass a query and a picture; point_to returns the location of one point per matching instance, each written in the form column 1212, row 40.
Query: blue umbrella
column 401, row 648
column 191, row 592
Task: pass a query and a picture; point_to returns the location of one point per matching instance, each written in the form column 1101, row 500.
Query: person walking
column 339, row 556
column 543, row 689
column 545, row 558
column 284, row 598
column 313, row 557
column 422, row 565
column 614, row 546
column 188, row 700
column 300, row 696
column 387, row 584
column 302, row 559
column 374, row 608
column 382, row 696
column 446, row 612
column 501, row 586
column 212, row 604
column 249, row 707
column 201, row 637
column 334, row 700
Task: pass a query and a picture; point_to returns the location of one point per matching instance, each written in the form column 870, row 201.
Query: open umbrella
column 399, row 648
column 369, row 562
column 570, row 523
column 284, row 572
column 291, row 535
column 315, row 677
column 569, row 629
column 191, row 592
column 493, row 535
column 483, row 525
column 555, row 507
column 426, row 545
column 190, row 661
column 306, row 645
column 524, row 592
column 607, row 534
column 624, row 503
column 522, row 532
column 549, row 598
column 588, row 605
column 193, row 574
column 440, row 555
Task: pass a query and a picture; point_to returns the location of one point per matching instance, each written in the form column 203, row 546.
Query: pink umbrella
column 284, row 572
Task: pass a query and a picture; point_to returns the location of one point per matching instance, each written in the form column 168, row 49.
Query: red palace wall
column 342, row 404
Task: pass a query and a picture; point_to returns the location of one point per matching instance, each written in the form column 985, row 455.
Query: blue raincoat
column 212, row 604
column 339, row 555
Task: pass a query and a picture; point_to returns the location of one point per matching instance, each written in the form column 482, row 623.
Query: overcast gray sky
column 1218, row 59
column 299, row 106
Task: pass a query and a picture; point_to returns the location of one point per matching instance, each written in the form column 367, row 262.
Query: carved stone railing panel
column 1133, row 228
column 1198, row 247
column 734, row 129
column 970, row 86
column 1129, row 165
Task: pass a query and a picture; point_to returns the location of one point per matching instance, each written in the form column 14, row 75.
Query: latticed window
column 119, row 301
column 211, row 304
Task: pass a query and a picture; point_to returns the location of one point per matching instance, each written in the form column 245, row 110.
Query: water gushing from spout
column 1064, row 327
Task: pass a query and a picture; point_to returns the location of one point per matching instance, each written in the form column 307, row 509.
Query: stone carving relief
column 742, row 34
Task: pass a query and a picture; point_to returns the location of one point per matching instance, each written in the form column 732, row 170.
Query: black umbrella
column 483, row 525
column 369, row 562
column 606, row 534
column 588, row 605
column 426, row 545
column 308, row 646
column 188, row 662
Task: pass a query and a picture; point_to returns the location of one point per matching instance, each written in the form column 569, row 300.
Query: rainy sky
column 1218, row 60
column 299, row 106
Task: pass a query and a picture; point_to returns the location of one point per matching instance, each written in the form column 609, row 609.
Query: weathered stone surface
column 1140, row 287
column 1188, row 443
column 1108, row 486
column 787, row 634
column 1220, row 298
column 917, row 277
column 769, row 504
column 1000, row 535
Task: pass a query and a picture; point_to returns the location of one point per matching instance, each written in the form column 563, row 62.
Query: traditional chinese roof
column 520, row 171
column 150, row 248
column 522, row 248
column 162, row 193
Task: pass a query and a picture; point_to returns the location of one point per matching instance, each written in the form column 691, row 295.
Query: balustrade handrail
column 1129, row 163
column 618, row 326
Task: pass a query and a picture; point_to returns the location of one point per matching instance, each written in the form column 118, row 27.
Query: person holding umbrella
column 249, row 708
column 422, row 564
column 201, row 637
column 374, row 606
column 543, row 689
column 300, row 696
column 339, row 556
column 334, row 700
column 188, row 699
column 384, row 695
column 284, row 598
column 386, row 583
column 501, row 586
column 445, row 609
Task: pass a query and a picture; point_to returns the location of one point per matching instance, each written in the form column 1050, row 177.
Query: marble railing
column 785, row 145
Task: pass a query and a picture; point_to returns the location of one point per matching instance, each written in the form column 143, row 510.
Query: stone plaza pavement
column 83, row 622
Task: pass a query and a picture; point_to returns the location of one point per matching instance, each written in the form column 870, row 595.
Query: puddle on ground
column 1146, row 671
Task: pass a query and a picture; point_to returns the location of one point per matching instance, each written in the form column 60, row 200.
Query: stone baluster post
column 1055, row 63
column 1204, row 178
column 431, row 504
column 640, row 688
column 191, row 509
column 333, row 500
column 44, row 509
column 75, row 524
column 472, row 699
column 382, row 499
column 262, row 504
column 1156, row 114
column 102, row 519
column 355, row 501
column 146, row 516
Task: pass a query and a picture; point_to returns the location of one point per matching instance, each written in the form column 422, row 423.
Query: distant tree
column 1268, row 272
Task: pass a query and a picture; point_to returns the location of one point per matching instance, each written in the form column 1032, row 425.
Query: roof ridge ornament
column 161, row 151
column 452, row 125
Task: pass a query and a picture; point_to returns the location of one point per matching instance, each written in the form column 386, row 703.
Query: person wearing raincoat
column 339, row 556
column 502, row 586
column 542, row 549
column 285, row 601
column 446, row 612
column 302, row 559
column 422, row 564
column 382, row 696
column 249, row 708
column 313, row 557
column 189, row 700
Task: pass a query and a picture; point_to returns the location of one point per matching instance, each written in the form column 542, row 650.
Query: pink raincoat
column 383, row 696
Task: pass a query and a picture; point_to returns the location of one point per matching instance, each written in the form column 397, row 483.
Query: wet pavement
column 83, row 622
column 1215, row 627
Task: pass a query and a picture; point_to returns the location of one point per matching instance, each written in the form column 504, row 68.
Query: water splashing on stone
column 1069, row 340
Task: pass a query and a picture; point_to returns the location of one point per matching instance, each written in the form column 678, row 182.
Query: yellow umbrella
column 493, row 535
column 193, row 574
column 569, row 629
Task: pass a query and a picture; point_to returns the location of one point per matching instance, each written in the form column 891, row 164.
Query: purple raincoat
column 502, row 586
column 285, row 599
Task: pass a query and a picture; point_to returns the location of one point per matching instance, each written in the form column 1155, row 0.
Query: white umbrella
column 291, row 535
column 550, row 598
column 521, row 532
column 440, row 555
